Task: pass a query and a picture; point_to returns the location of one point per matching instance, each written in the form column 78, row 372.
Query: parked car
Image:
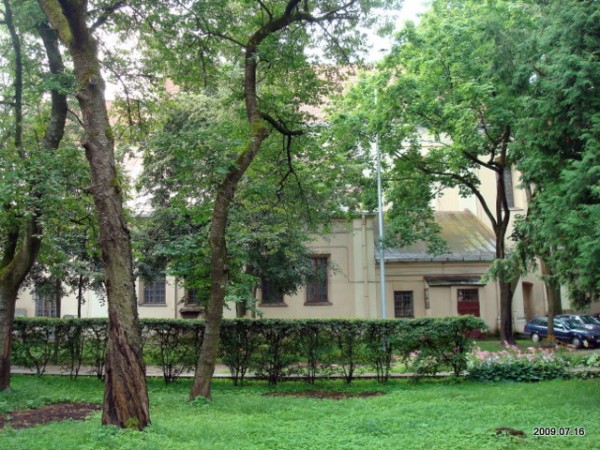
column 565, row 330
column 585, row 321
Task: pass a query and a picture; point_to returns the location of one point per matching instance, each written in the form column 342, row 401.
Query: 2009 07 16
column 558, row 431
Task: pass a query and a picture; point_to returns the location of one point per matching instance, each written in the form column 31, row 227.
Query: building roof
column 467, row 239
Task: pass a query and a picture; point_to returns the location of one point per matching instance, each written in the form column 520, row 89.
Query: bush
column 239, row 342
column 34, row 342
column 514, row 365
column 272, row 348
column 278, row 349
column 172, row 344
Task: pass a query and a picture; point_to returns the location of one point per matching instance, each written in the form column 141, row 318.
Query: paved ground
column 221, row 371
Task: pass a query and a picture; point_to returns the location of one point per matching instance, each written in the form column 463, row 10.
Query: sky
column 410, row 11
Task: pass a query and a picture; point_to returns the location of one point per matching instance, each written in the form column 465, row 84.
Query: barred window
column 317, row 289
column 154, row 293
column 270, row 295
column 467, row 295
column 191, row 297
column 508, row 187
column 45, row 307
column 403, row 304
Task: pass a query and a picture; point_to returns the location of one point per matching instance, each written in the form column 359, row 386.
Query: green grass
column 426, row 415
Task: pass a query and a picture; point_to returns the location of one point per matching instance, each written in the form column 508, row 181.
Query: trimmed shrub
column 278, row 349
column 272, row 348
column 240, row 340
column 34, row 342
column 172, row 344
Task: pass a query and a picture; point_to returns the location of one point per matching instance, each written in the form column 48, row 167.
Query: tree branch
column 107, row 11
column 280, row 126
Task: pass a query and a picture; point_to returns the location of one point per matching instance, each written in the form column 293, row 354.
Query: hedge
column 270, row 348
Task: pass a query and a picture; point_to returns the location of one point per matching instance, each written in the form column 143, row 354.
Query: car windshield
column 571, row 323
column 590, row 320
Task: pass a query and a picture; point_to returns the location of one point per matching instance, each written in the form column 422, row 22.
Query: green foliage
column 287, row 196
column 270, row 348
column 239, row 343
column 429, row 346
column 69, row 342
column 381, row 339
column 316, row 348
column 173, row 345
column 276, row 352
column 559, row 148
column 514, row 365
column 33, row 343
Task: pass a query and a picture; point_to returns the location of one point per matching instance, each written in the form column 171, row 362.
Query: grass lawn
column 432, row 414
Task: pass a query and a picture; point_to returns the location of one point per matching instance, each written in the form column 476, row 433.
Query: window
column 468, row 302
column 426, row 296
column 468, row 295
column 45, row 307
column 154, row 293
column 317, row 288
column 403, row 304
column 270, row 295
column 191, row 297
column 508, row 187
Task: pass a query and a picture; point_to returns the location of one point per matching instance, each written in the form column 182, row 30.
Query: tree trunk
column 14, row 268
column 58, row 297
column 553, row 297
column 506, row 322
column 205, row 367
column 8, row 298
column 126, row 401
column 79, row 296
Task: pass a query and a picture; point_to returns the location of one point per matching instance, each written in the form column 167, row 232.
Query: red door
column 468, row 303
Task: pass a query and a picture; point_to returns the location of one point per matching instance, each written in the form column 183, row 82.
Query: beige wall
column 173, row 293
column 442, row 299
column 353, row 286
column 96, row 307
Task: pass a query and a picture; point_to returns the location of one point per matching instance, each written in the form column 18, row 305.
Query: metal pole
column 380, row 217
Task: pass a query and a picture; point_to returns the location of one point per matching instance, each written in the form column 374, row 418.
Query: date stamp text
column 558, row 431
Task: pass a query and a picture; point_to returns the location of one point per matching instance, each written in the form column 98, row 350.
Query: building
column 417, row 284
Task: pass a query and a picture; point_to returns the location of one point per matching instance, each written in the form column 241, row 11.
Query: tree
column 458, row 77
column 278, row 206
column 558, row 147
column 69, row 261
column 125, row 396
column 26, row 195
column 266, row 42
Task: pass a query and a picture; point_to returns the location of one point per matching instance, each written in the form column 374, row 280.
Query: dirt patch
column 332, row 395
column 25, row 418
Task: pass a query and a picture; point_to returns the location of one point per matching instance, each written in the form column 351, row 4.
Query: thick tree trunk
column 15, row 266
column 8, row 298
column 126, row 401
column 506, row 319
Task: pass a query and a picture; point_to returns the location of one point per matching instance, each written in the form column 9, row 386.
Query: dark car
column 585, row 321
column 565, row 330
